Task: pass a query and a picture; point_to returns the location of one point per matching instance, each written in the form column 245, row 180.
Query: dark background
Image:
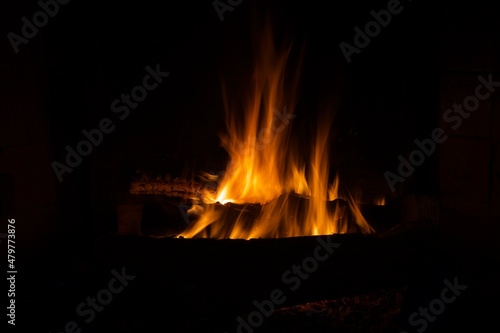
column 85, row 58
column 394, row 91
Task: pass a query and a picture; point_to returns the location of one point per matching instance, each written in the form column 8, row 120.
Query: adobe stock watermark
column 29, row 29
column 96, row 304
column 453, row 116
column 120, row 106
column 449, row 294
column 372, row 29
column 221, row 7
column 281, row 119
column 292, row 278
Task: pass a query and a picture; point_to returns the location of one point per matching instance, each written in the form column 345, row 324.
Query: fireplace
column 235, row 166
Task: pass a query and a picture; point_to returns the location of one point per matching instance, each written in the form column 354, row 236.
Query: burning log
column 162, row 217
column 286, row 216
column 177, row 188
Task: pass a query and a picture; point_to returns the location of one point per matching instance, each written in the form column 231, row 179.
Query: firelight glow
column 269, row 190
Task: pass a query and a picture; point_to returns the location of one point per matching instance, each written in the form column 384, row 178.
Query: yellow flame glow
column 266, row 190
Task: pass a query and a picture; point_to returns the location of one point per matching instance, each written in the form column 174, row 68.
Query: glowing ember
column 268, row 190
column 380, row 201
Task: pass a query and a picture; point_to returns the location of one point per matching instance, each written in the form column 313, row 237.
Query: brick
column 495, row 113
column 464, row 220
column 496, row 182
column 454, row 89
column 494, row 232
column 129, row 218
column 33, row 176
column 469, row 36
column 463, row 166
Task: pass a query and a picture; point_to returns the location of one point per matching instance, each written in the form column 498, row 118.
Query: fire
column 268, row 190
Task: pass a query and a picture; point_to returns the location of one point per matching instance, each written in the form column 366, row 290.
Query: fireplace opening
column 253, row 166
column 294, row 172
column 299, row 178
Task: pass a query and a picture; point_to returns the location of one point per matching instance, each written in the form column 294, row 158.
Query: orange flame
column 267, row 191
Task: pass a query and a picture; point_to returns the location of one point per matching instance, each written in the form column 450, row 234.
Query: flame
column 267, row 189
